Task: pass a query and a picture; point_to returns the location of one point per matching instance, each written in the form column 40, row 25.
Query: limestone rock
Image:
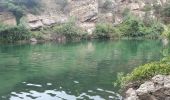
column 158, row 79
column 145, row 88
column 167, row 82
column 33, row 40
column 84, row 10
column 134, row 6
column 158, row 88
column 131, row 94
column 7, row 18
column 48, row 22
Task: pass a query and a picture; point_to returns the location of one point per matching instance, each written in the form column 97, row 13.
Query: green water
column 70, row 71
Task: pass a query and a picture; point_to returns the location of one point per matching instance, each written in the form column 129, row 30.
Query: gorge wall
column 86, row 12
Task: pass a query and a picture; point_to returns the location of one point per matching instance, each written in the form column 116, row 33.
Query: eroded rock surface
column 7, row 18
column 158, row 88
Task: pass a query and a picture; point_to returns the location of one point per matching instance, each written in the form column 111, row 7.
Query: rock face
column 39, row 21
column 7, row 18
column 86, row 12
column 158, row 88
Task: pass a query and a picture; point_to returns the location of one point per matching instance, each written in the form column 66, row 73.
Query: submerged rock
column 158, row 88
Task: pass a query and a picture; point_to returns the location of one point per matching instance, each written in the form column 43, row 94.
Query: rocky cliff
column 86, row 12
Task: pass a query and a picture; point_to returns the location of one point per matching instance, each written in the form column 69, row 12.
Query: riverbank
column 157, row 88
column 150, row 81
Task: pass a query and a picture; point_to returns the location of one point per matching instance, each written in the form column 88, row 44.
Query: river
column 71, row 71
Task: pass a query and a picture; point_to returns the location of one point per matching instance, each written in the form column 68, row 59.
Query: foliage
column 166, row 32
column 38, row 35
column 166, row 10
column 13, row 33
column 146, row 71
column 105, row 30
column 134, row 27
column 69, row 30
column 147, row 7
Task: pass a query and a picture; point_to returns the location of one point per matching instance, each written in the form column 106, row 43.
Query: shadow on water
column 70, row 71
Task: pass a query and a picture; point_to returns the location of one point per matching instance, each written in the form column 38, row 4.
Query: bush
column 38, row 35
column 166, row 11
column 145, row 72
column 105, row 30
column 13, row 33
column 69, row 30
column 166, row 32
column 133, row 27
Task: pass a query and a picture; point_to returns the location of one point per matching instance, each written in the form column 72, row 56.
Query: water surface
column 70, row 71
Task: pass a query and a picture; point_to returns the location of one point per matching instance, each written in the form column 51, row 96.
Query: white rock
column 167, row 82
column 158, row 79
column 33, row 40
column 145, row 88
column 48, row 22
column 131, row 92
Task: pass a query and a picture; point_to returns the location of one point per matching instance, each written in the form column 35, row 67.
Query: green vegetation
column 131, row 27
column 69, row 30
column 145, row 72
column 105, row 30
column 13, row 33
column 166, row 11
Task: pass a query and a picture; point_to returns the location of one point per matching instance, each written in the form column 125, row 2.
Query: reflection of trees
column 93, row 64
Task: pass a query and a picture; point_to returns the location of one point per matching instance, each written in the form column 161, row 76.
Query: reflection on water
column 59, row 94
column 71, row 71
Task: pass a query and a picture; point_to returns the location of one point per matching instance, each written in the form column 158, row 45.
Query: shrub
column 133, row 27
column 13, row 33
column 166, row 11
column 147, row 7
column 105, row 30
column 130, row 27
column 166, row 32
column 38, row 35
column 145, row 72
column 69, row 30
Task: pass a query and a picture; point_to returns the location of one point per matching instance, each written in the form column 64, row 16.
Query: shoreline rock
column 158, row 88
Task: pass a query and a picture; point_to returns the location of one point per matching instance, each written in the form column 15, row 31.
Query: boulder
column 158, row 79
column 35, row 25
column 158, row 88
column 145, row 88
column 134, row 6
column 33, row 40
column 48, row 22
column 131, row 94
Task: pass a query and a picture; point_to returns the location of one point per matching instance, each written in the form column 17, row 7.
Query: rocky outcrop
column 158, row 88
column 86, row 12
column 39, row 21
column 7, row 18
